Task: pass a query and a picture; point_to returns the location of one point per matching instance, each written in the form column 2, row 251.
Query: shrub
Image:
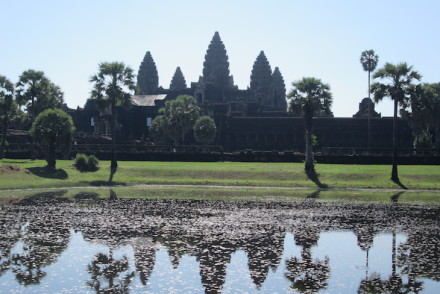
column 86, row 163
column 423, row 140
column 93, row 163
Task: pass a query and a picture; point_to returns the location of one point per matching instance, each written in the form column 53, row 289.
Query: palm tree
column 307, row 275
column 369, row 62
column 113, row 86
column 398, row 86
column 37, row 93
column 313, row 96
column 7, row 108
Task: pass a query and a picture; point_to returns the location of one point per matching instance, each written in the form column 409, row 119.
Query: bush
column 86, row 163
column 423, row 140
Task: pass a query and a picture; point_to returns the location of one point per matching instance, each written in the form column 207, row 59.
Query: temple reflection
column 36, row 232
column 145, row 258
column 264, row 253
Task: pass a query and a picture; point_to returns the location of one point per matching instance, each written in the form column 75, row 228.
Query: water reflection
column 109, row 275
column 36, row 232
column 307, row 275
column 43, row 236
column 145, row 257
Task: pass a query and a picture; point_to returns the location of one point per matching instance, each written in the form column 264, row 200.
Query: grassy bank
column 28, row 174
column 34, row 175
column 231, row 194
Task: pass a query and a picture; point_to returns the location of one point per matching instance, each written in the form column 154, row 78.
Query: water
column 166, row 246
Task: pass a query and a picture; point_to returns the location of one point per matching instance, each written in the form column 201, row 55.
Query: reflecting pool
column 51, row 245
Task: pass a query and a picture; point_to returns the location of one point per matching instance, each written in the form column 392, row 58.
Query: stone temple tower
column 216, row 78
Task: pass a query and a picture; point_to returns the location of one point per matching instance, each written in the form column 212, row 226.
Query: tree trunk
column 114, row 163
column 51, row 154
column 183, row 136
column 5, row 130
column 437, row 136
column 308, row 123
column 394, row 173
column 393, row 256
column 33, row 152
column 369, row 112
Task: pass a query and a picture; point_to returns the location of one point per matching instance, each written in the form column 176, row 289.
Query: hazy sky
column 67, row 39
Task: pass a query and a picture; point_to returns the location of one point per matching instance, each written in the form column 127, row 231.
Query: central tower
column 216, row 76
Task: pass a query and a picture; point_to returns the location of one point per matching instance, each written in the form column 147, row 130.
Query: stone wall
column 287, row 133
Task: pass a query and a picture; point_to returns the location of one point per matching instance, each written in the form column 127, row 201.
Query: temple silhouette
column 254, row 118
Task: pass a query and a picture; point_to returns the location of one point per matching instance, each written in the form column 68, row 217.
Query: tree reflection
column 10, row 233
column 365, row 236
column 305, row 274
column 45, row 238
column 419, row 256
column 106, row 273
column 392, row 284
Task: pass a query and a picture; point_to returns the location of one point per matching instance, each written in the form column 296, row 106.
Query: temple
column 254, row 118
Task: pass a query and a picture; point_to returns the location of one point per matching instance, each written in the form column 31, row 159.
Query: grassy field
column 282, row 181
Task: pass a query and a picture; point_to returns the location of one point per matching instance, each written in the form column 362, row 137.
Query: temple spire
column 216, row 65
column 279, row 91
column 261, row 79
column 178, row 82
column 148, row 78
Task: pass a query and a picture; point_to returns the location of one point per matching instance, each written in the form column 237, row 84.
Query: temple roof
column 146, row 100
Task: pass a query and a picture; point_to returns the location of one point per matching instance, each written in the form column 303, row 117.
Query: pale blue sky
column 67, row 39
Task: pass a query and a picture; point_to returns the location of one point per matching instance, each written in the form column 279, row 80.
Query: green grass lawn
column 34, row 175
column 239, row 175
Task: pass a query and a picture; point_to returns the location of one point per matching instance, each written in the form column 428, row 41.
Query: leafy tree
column 415, row 111
column 397, row 84
column 53, row 127
column 205, row 130
column 180, row 116
column 147, row 78
column 369, row 62
column 157, row 130
column 216, row 65
column 8, row 108
column 431, row 94
column 178, row 82
column 113, row 86
column 37, row 93
column 312, row 96
column 261, row 79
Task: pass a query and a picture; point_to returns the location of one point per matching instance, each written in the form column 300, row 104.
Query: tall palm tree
column 397, row 84
column 37, row 93
column 8, row 107
column 369, row 62
column 113, row 86
column 313, row 96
